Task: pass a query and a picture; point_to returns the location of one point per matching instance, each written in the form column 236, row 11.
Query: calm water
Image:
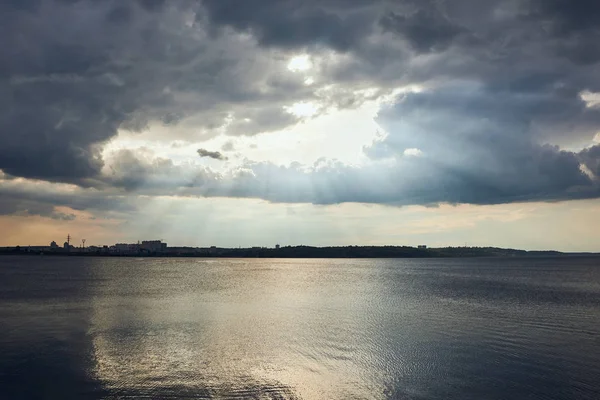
column 75, row 328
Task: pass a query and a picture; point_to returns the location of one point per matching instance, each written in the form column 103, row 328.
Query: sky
column 330, row 122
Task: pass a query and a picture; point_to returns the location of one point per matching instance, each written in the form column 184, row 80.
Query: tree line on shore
column 313, row 252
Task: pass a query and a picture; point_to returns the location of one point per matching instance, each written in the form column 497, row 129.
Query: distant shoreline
column 306, row 252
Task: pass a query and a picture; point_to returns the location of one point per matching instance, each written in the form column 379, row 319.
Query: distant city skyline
column 157, row 248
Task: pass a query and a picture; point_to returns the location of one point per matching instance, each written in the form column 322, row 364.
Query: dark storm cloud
column 571, row 26
column 426, row 30
column 590, row 157
column 27, row 207
column 73, row 73
column 211, row 154
column 56, row 102
column 478, row 145
column 297, row 23
column 567, row 16
column 14, row 200
column 23, row 198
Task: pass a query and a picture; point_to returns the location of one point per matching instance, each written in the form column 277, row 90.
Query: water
column 114, row 328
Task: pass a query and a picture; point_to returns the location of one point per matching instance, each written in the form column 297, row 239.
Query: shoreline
column 346, row 252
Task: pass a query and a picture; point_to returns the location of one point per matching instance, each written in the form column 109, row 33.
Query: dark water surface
column 114, row 328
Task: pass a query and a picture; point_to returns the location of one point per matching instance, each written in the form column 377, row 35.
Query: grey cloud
column 14, row 205
column 567, row 16
column 41, row 198
column 571, row 28
column 508, row 174
column 480, row 146
column 262, row 119
column 73, row 73
column 134, row 171
column 591, row 159
column 52, row 117
column 295, row 23
column 211, row 154
column 552, row 175
column 171, row 118
column 500, row 42
column 63, row 216
column 10, row 205
column 228, row 146
column 426, row 30
column 121, row 14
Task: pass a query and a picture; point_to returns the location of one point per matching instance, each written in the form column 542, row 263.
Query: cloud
column 228, row 146
column 425, row 30
column 519, row 173
column 480, row 146
column 32, row 197
column 590, row 157
column 211, row 154
column 565, row 16
column 73, row 73
column 496, row 116
column 10, row 205
column 295, row 23
column 143, row 172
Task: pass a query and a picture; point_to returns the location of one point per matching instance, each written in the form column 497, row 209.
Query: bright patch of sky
column 300, row 63
column 305, row 109
column 336, row 134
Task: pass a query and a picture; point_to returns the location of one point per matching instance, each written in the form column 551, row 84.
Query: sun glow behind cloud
column 303, row 109
column 300, row 63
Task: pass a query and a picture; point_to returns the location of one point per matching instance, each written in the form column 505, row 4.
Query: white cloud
column 592, row 99
column 414, row 152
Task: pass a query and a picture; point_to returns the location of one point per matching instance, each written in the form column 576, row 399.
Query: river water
column 114, row 328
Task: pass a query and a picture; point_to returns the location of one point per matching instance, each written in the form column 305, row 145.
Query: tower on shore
column 67, row 244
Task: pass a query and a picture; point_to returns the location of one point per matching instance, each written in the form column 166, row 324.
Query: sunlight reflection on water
column 312, row 329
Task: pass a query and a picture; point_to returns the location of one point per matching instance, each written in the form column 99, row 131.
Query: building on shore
column 146, row 246
column 126, row 248
column 153, row 246
column 37, row 249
